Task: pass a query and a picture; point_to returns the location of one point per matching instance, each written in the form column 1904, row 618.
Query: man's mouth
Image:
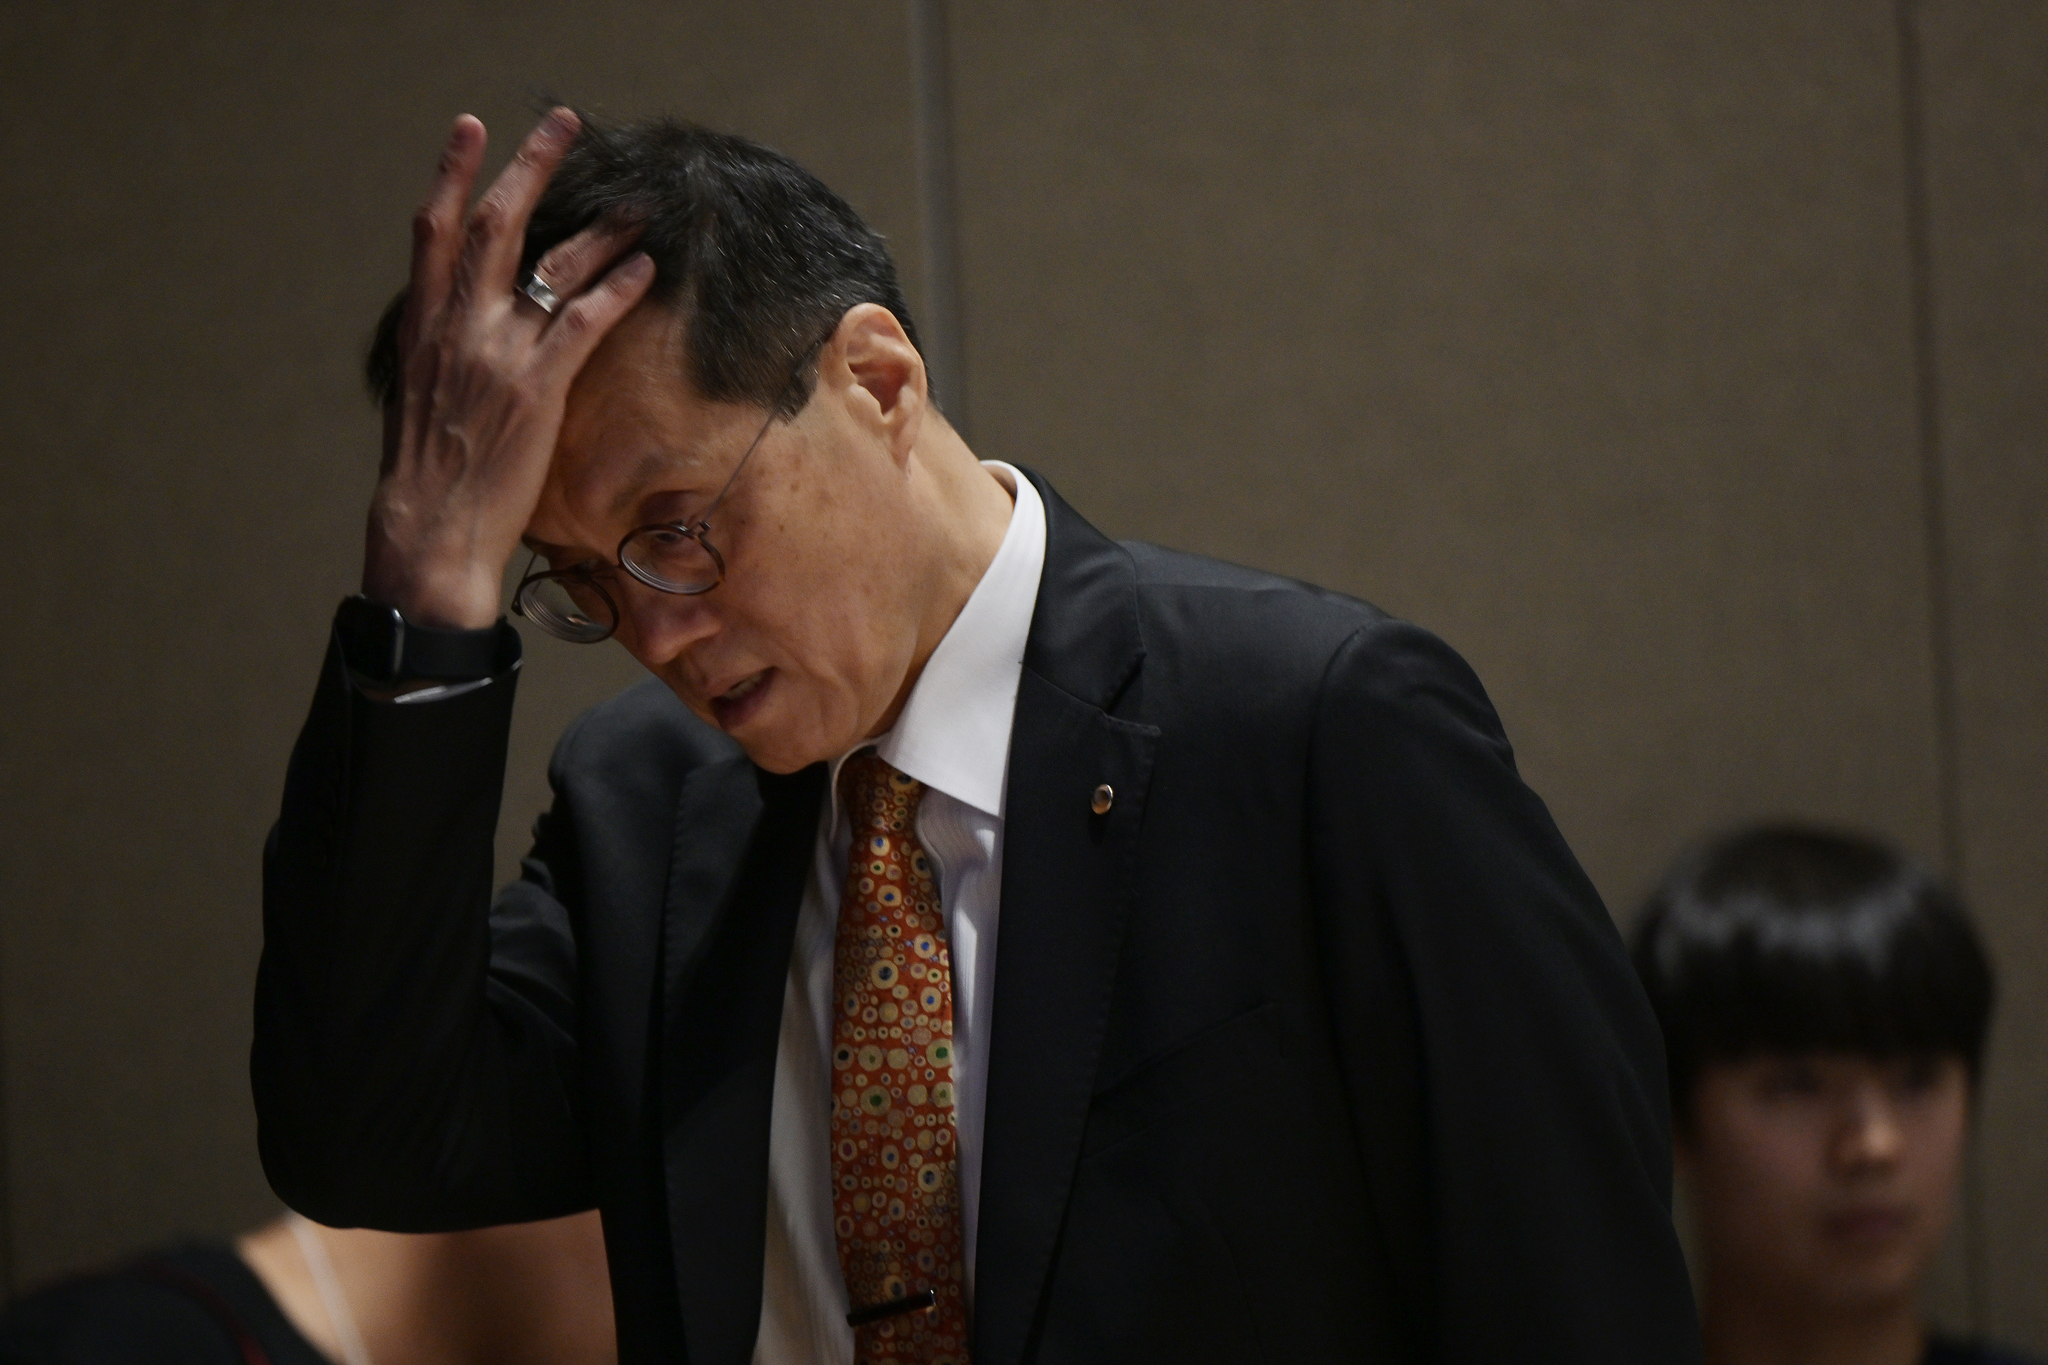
column 741, row 700
column 1868, row 1225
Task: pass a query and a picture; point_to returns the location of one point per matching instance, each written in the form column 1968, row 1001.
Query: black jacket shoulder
column 643, row 734
column 617, row 773
column 1229, row 603
column 1273, row 656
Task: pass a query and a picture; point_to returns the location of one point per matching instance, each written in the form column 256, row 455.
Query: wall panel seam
column 1934, row 511
column 6, row 1160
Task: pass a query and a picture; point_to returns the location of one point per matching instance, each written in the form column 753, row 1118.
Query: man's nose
column 1870, row 1135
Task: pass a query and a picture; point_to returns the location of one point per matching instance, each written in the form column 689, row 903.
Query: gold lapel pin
column 1104, row 798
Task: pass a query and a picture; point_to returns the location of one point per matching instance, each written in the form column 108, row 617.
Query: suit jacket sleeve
column 1492, row 1032
column 415, row 1050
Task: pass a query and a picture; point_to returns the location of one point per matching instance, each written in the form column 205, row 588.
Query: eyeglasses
column 676, row 557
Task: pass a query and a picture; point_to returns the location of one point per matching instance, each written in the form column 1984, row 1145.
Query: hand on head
column 612, row 438
column 483, row 373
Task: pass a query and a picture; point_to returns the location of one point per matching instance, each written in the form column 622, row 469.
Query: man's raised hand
column 483, row 374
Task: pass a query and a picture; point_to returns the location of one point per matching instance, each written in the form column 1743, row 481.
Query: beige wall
column 1987, row 155
column 1595, row 337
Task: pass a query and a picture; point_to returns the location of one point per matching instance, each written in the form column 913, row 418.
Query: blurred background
column 1683, row 364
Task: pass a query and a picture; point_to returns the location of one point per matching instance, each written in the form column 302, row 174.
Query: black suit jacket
column 1316, row 1046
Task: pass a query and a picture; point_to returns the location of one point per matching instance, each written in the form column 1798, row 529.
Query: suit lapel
column 742, row 852
column 1069, row 875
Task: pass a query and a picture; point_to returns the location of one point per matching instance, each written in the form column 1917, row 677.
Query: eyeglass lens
column 672, row 559
column 572, row 608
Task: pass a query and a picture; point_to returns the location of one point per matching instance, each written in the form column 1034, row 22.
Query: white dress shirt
column 954, row 736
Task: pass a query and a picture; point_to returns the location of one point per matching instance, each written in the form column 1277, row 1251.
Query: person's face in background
column 1823, row 1180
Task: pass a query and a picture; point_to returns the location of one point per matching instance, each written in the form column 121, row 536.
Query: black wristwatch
column 381, row 646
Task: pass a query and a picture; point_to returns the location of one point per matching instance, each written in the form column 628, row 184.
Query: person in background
column 295, row 1293
column 1824, row 1003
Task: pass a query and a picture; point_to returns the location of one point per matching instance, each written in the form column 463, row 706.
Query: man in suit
column 983, row 941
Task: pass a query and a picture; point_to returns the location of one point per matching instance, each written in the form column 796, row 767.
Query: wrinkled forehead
column 633, row 419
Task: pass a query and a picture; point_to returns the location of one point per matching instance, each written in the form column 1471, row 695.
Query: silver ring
column 542, row 293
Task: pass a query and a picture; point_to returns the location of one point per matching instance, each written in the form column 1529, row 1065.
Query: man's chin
column 780, row 766
column 777, row 751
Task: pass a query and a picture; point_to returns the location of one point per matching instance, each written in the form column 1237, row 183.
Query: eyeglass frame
column 694, row 532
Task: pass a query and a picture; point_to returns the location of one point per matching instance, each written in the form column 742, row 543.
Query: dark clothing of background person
column 198, row 1304
column 1316, row 1045
column 1949, row 1351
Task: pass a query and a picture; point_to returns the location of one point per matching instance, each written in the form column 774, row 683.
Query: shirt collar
column 953, row 733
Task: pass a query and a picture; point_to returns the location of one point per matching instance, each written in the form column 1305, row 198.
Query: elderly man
column 985, row 941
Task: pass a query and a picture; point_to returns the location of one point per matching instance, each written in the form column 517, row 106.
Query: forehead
column 637, row 377
column 634, row 424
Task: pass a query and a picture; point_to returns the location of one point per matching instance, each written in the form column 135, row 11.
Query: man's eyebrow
column 650, row 468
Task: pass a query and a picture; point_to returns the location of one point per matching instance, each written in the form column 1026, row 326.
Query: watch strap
column 379, row 644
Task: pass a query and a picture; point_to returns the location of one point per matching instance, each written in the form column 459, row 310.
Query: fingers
column 584, row 320
column 568, row 267
column 436, row 227
column 497, row 225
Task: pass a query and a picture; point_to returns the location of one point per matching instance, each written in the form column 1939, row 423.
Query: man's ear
column 885, row 374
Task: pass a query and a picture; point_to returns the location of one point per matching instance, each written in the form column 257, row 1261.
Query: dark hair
column 1788, row 938
column 761, row 256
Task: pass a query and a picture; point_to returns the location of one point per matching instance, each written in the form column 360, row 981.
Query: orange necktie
column 895, row 1146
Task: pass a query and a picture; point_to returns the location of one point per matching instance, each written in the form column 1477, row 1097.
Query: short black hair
column 1794, row 938
column 760, row 255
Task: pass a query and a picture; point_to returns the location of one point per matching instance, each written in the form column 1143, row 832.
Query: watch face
column 372, row 638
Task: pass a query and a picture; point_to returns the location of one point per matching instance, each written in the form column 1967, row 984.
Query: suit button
column 1105, row 797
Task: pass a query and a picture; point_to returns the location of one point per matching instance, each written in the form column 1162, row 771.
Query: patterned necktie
column 895, row 1147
